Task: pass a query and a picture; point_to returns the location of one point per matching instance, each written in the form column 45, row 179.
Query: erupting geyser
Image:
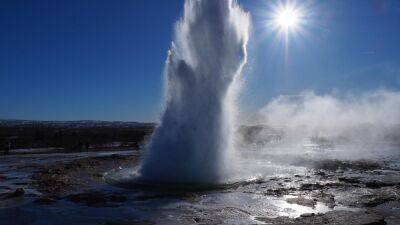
column 194, row 141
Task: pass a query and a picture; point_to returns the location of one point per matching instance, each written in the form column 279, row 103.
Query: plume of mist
column 372, row 117
column 194, row 140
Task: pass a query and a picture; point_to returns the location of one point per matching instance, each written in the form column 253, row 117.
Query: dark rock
column 376, row 184
column 349, row 179
column 380, row 196
column 336, row 165
column 98, row 175
column 307, row 214
column 123, row 222
column 320, row 173
column 2, row 177
column 331, row 218
column 328, row 199
column 62, row 178
column 310, row 186
column 96, row 199
column 45, row 200
column 19, row 192
column 393, row 219
column 279, row 192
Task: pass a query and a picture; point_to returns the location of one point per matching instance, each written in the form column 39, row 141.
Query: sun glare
column 287, row 18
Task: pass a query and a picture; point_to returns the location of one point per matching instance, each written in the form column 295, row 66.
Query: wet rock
column 374, row 201
column 307, row 214
column 350, row 180
column 393, row 219
column 279, row 192
column 45, row 200
column 19, row 192
column 302, row 201
column 3, row 177
column 320, row 173
column 391, row 212
column 380, row 196
column 328, row 199
column 52, row 183
column 337, row 165
column 377, row 184
column 21, row 183
column 62, row 178
column 365, row 197
column 311, row 186
column 122, row 222
column 98, row 175
column 96, row 199
column 331, row 218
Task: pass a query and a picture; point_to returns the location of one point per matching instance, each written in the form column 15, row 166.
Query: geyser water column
column 194, row 141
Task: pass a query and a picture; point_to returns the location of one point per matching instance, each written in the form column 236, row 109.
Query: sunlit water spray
column 194, row 141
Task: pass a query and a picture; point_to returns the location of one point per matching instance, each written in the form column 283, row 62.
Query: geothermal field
column 305, row 158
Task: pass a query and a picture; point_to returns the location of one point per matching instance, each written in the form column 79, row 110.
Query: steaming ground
column 299, row 175
column 294, row 184
column 307, row 128
column 359, row 120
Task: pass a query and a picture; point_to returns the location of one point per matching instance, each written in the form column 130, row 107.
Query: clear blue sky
column 98, row 59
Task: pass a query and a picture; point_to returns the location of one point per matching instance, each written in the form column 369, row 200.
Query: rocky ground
column 368, row 187
column 352, row 192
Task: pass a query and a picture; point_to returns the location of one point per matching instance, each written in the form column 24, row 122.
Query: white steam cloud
column 327, row 111
column 368, row 117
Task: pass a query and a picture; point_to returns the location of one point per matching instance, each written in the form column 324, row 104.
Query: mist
column 354, row 123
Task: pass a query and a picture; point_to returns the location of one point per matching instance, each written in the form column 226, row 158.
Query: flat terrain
column 81, row 173
column 81, row 188
column 26, row 136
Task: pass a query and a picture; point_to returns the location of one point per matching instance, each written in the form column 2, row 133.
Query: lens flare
column 287, row 18
column 288, row 21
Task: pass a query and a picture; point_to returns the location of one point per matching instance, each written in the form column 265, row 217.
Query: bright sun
column 287, row 18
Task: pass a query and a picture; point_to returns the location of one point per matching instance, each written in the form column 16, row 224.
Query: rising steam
column 365, row 118
column 194, row 141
